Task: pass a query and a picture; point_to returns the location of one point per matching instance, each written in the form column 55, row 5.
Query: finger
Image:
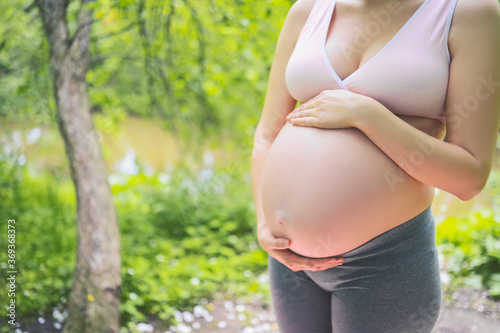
column 303, row 113
column 278, row 243
column 320, row 268
column 286, row 257
column 281, row 256
column 309, row 105
column 305, row 121
column 294, row 112
column 322, row 264
column 339, row 261
column 331, row 264
column 296, row 262
column 306, row 105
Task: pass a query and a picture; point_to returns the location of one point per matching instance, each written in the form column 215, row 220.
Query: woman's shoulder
column 299, row 12
column 295, row 20
column 303, row 6
column 476, row 11
column 475, row 22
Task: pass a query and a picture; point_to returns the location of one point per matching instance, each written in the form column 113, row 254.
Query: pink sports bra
column 409, row 75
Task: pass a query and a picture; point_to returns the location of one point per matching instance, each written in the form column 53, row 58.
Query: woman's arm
column 278, row 103
column 462, row 163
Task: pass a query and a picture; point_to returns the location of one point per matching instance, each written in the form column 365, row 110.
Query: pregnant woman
column 343, row 183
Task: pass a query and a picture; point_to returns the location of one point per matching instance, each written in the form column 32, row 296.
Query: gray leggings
column 390, row 284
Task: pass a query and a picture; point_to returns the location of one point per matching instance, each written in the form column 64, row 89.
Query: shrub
column 471, row 250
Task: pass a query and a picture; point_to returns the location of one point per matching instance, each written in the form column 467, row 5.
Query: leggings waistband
column 424, row 221
column 409, row 231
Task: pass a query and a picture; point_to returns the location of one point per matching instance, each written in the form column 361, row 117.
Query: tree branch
column 78, row 46
column 101, row 57
column 30, row 7
column 122, row 30
column 79, row 29
column 53, row 13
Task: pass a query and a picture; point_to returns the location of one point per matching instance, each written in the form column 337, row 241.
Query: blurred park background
column 176, row 89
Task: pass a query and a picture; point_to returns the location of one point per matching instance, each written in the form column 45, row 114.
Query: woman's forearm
column 260, row 149
column 431, row 161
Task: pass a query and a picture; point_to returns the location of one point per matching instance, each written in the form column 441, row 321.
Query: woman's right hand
column 277, row 247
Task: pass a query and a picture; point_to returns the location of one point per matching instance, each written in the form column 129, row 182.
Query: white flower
column 145, row 328
column 199, row 311
column 188, row 316
column 183, row 328
column 248, row 330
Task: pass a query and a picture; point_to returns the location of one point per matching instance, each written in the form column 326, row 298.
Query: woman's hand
column 337, row 108
column 278, row 249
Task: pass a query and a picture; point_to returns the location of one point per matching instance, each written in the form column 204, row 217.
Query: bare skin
column 459, row 165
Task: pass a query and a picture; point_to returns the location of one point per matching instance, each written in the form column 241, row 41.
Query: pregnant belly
column 331, row 190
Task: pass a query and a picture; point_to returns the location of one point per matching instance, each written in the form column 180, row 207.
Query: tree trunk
column 95, row 295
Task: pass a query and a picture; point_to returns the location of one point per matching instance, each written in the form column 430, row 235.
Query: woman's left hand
column 337, row 108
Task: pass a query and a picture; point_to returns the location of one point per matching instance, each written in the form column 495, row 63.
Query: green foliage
column 188, row 234
column 193, row 65
column 24, row 58
column 185, row 236
column 471, row 247
column 44, row 212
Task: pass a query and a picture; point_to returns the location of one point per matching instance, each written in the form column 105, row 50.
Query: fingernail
column 341, row 261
